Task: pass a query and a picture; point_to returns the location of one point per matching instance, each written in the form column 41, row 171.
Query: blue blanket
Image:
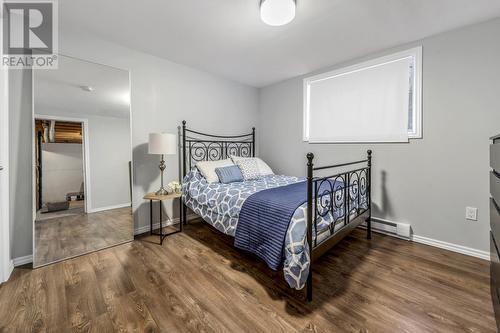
column 264, row 220
column 265, row 217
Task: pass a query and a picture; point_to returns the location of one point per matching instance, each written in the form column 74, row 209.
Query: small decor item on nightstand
column 174, row 186
column 162, row 144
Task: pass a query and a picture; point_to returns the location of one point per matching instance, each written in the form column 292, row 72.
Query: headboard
column 195, row 146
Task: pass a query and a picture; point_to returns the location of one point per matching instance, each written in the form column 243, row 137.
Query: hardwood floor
column 198, row 282
column 68, row 236
column 75, row 208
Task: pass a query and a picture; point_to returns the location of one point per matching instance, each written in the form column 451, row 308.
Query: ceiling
column 227, row 38
column 65, row 132
column 60, row 91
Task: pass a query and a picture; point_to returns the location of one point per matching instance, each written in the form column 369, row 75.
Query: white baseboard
column 19, row 261
column 452, row 247
column 4, row 276
column 390, row 228
column 145, row 228
column 10, row 269
column 101, row 209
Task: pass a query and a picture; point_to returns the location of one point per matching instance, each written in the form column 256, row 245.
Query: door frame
column 6, row 263
column 85, row 156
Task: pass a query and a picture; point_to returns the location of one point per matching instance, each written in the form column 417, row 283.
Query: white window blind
column 369, row 102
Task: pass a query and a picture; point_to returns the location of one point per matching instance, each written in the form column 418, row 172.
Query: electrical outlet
column 471, row 213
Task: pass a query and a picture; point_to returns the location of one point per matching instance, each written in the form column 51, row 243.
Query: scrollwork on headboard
column 196, row 146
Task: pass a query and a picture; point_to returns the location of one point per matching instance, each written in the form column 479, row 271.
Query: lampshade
column 162, row 144
column 277, row 12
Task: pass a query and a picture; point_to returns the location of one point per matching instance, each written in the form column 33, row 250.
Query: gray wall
column 428, row 182
column 110, row 152
column 163, row 94
column 62, row 170
column 109, row 155
column 20, row 152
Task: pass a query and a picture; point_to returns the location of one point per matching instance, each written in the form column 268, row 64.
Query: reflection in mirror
column 82, row 153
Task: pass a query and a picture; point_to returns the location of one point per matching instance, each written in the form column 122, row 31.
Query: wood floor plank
column 198, row 282
column 85, row 303
column 129, row 313
column 51, row 297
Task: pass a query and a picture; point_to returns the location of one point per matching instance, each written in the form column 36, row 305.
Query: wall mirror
column 82, row 156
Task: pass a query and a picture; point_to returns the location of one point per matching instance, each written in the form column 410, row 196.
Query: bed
column 287, row 221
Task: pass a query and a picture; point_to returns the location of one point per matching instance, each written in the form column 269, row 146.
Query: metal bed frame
column 348, row 191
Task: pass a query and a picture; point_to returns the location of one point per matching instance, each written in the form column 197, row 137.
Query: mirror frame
column 86, row 161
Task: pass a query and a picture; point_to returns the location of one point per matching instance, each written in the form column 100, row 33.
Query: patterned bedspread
column 220, row 204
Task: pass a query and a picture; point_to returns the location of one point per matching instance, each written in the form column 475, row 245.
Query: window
column 374, row 101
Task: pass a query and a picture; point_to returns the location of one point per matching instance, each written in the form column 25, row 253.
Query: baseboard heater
column 382, row 226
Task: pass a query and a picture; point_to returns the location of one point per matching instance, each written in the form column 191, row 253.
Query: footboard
column 345, row 195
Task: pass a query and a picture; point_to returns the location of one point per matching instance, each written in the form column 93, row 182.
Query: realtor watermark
column 29, row 33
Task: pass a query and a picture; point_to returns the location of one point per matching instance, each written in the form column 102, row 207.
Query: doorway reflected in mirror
column 82, row 153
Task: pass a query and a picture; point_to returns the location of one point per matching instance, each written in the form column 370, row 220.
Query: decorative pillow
column 229, row 174
column 264, row 169
column 249, row 168
column 207, row 169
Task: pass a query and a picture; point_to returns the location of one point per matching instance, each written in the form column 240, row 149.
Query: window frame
column 417, row 117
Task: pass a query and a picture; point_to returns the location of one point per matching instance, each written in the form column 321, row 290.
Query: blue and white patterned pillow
column 264, row 169
column 249, row 169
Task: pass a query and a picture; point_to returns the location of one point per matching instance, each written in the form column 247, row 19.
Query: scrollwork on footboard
column 330, row 195
column 358, row 180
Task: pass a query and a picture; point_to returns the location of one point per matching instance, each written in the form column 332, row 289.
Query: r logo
column 28, row 27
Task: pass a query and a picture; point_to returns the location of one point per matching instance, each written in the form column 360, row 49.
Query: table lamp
column 162, row 144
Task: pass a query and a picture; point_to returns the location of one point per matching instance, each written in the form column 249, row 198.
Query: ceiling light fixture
column 87, row 88
column 277, row 12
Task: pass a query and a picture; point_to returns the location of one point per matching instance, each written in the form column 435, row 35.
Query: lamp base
column 162, row 191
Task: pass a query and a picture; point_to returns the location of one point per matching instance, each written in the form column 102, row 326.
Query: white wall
column 109, row 154
column 428, row 182
column 163, row 94
column 62, row 170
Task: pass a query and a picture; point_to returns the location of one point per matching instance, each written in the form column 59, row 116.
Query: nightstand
column 153, row 197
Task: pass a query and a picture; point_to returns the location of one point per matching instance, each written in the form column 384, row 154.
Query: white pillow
column 264, row 169
column 207, row 169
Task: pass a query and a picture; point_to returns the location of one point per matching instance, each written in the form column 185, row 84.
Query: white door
column 5, row 261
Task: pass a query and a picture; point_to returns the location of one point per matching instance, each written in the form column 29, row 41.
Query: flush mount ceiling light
column 277, row 12
column 87, row 88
